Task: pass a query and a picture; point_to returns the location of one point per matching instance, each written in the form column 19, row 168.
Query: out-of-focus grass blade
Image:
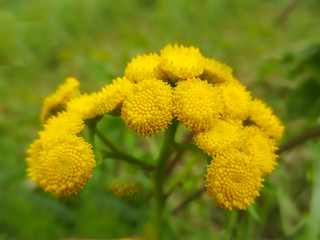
column 254, row 213
column 288, row 211
column 312, row 231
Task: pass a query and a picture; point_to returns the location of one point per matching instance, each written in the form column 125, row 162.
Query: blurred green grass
column 42, row 42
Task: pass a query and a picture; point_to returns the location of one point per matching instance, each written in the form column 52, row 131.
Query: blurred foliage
column 42, row 42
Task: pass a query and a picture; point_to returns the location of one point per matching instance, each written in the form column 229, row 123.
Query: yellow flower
column 222, row 136
column 86, row 106
column 233, row 180
column 56, row 102
column 217, row 72
column 144, row 67
column 260, row 148
column 33, row 154
column 197, row 104
column 235, row 99
column 149, row 108
column 124, row 190
column 64, row 168
column 181, row 62
column 112, row 95
column 64, row 123
column 263, row 117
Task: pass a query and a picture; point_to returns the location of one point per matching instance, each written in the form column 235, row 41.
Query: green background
column 43, row 42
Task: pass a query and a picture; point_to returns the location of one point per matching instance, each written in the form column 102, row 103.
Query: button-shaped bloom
column 111, row 97
column 65, row 167
column 181, row 62
column 218, row 139
column 235, row 99
column 144, row 67
column 263, row 117
column 56, row 102
column 233, row 180
column 65, row 123
column 149, row 108
column 86, row 105
column 261, row 149
column 197, row 104
column 217, row 72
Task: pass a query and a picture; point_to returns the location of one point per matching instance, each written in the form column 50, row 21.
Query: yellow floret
column 181, row 62
column 86, row 105
column 33, row 154
column 112, row 95
column 235, row 99
column 217, row 72
column 260, row 148
column 144, row 67
column 124, row 190
column 233, row 180
column 56, row 102
column 149, row 108
column 197, row 104
column 64, row 168
column 222, row 136
column 263, row 117
column 64, row 123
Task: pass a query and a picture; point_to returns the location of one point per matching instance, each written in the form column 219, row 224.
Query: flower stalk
column 165, row 153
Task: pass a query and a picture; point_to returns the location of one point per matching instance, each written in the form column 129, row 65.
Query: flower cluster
column 238, row 131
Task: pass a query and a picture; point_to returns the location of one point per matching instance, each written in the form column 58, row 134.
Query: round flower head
column 144, row 67
column 56, row 102
column 65, row 168
column 124, row 190
column 260, row 148
column 197, row 104
column 111, row 97
column 149, row 107
column 64, row 123
column 34, row 151
column 263, row 117
column 217, row 72
column 235, row 99
column 86, row 106
column 181, row 62
column 222, row 136
column 233, row 180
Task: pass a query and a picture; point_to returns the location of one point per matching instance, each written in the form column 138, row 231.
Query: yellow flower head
column 124, row 190
column 260, row 148
column 181, row 62
column 233, row 180
column 112, row 95
column 217, row 72
column 56, row 102
column 236, row 100
column 222, row 136
column 149, row 108
column 86, row 106
column 64, row 123
column 144, row 67
column 263, row 117
column 197, row 104
column 64, row 168
column 34, row 152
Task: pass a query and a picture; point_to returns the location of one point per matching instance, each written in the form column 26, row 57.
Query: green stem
column 128, row 158
column 106, row 141
column 231, row 227
column 191, row 147
column 92, row 124
column 165, row 153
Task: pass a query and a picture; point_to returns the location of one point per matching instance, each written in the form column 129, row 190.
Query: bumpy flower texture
column 239, row 132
